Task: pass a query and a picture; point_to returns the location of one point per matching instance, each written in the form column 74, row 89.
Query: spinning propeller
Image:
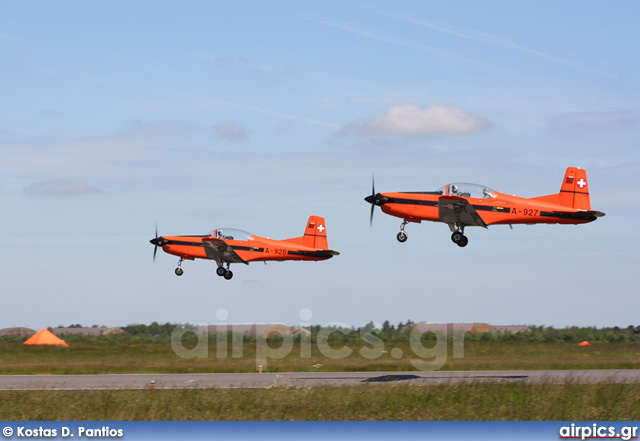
column 375, row 199
column 158, row 241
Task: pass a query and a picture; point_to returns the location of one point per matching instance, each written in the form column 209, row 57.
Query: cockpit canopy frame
column 230, row 234
column 467, row 190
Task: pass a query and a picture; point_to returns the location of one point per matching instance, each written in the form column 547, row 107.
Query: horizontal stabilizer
column 583, row 215
column 593, row 213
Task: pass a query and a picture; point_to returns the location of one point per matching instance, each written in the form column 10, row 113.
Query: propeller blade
column 373, row 196
column 155, row 243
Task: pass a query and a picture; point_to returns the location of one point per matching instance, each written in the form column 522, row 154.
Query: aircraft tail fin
column 315, row 234
column 574, row 192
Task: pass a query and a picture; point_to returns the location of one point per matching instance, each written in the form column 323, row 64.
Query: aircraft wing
column 457, row 210
column 218, row 249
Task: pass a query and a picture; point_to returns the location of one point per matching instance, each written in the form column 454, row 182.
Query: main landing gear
column 459, row 238
column 224, row 272
column 402, row 236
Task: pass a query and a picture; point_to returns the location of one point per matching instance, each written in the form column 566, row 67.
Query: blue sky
column 116, row 116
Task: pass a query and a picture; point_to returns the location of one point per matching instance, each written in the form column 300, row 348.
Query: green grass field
column 109, row 357
column 475, row 401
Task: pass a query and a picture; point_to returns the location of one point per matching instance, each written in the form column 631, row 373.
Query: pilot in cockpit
column 454, row 190
column 487, row 193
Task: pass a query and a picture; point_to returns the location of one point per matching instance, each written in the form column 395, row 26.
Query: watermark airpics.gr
column 428, row 356
column 598, row 431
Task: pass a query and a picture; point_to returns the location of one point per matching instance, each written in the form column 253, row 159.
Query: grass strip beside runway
column 474, row 401
column 108, row 357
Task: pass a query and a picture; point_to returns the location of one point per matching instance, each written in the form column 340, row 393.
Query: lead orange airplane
column 461, row 205
column 228, row 245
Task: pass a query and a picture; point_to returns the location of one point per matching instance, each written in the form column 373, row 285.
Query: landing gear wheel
column 456, row 237
column 402, row 237
column 463, row 242
column 221, row 271
column 179, row 271
column 228, row 274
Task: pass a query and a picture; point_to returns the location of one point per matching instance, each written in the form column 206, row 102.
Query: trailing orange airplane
column 463, row 205
column 228, row 245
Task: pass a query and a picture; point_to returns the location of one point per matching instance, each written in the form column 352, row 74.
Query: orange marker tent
column 45, row 337
column 584, row 343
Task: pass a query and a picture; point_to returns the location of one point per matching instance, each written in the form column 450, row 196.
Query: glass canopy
column 230, row 234
column 466, row 190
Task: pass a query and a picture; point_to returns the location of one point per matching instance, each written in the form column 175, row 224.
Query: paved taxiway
column 306, row 379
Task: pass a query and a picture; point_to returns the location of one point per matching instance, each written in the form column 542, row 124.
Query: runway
column 308, row 379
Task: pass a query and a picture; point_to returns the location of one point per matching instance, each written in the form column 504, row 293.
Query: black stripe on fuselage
column 185, row 243
column 573, row 216
column 403, row 201
column 201, row 244
column 435, row 204
column 490, row 208
column 239, row 248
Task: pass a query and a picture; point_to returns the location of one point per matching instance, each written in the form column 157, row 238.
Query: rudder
column 315, row 234
column 575, row 189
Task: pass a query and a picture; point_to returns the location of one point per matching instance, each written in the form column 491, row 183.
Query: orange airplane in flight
column 228, row 245
column 463, row 205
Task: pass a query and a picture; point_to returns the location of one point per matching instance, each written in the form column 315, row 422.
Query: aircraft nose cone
column 377, row 199
column 158, row 241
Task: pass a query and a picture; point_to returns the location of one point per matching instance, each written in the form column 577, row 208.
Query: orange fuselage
column 499, row 209
column 255, row 249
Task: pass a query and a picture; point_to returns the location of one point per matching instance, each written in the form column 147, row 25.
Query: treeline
column 387, row 332
column 534, row 334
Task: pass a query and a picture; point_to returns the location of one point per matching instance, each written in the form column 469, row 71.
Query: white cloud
column 62, row 187
column 410, row 120
column 230, row 132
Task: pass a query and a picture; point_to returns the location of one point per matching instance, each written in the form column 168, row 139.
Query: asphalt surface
column 307, row 379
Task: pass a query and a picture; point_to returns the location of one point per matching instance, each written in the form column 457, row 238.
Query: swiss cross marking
column 581, row 183
column 321, row 228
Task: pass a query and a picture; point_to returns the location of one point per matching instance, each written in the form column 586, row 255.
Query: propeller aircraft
column 461, row 205
column 228, row 245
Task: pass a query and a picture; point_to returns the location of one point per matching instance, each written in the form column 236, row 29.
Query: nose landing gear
column 402, row 236
column 179, row 270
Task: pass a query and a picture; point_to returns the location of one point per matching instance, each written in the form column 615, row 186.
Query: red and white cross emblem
column 581, row 183
column 321, row 228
